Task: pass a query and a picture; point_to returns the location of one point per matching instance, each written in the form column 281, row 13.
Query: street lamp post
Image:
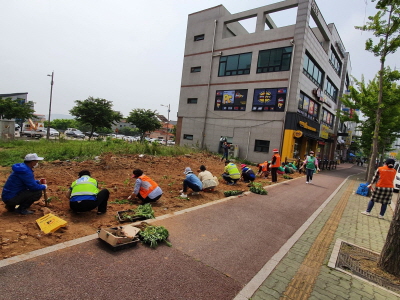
column 169, row 106
column 51, row 96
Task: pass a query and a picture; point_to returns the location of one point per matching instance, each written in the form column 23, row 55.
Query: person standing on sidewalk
column 311, row 164
column 275, row 164
column 383, row 191
column 21, row 188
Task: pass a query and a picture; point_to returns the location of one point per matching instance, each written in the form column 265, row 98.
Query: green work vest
column 310, row 162
column 84, row 186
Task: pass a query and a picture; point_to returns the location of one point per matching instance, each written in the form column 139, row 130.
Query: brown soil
column 365, row 265
column 20, row 234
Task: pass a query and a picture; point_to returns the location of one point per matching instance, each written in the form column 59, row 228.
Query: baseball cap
column 275, row 150
column 188, row 170
column 390, row 161
column 32, row 156
column 243, row 165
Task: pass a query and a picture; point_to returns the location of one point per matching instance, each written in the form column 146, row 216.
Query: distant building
column 277, row 87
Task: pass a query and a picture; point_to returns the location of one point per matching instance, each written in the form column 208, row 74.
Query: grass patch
column 15, row 151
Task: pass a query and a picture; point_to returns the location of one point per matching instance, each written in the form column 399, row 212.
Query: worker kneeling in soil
column 207, row 179
column 191, row 181
column 231, row 173
column 21, row 188
column 84, row 194
column 145, row 188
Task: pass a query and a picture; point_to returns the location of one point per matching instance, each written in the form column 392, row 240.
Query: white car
column 396, row 181
column 169, row 142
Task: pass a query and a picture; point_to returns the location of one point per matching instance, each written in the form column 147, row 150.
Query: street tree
column 363, row 96
column 385, row 26
column 145, row 120
column 62, row 124
column 15, row 109
column 96, row 113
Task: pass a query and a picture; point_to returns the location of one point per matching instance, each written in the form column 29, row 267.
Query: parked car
column 75, row 133
column 169, row 142
column 94, row 134
column 396, row 181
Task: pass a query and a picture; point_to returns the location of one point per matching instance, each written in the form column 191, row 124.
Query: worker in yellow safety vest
column 84, row 194
column 231, row 173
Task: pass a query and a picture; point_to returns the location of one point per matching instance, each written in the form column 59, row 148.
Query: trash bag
column 363, row 189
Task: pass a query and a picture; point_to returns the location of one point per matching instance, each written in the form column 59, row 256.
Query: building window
column 312, row 70
column 331, row 90
column 199, row 37
column 308, row 107
column 327, row 118
column 192, row 100
column 195, row 69
column 335, row 61
column 188, row 137
column 261, row 146
column 269, row 99
column 274, row 60
column 238, row 64
column 234, row 100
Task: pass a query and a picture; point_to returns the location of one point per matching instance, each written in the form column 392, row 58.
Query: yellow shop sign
column 306, row 126
column 297, row 134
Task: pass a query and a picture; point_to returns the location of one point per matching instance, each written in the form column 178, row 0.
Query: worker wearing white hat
column 21, row 188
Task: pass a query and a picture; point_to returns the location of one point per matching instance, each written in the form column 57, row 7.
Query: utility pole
column 166, row 138
column 51, row 96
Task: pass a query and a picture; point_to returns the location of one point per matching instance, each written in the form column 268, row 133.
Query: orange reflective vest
column 386, row 177
column 277, row 163
column 147, row 186
column 264, row 166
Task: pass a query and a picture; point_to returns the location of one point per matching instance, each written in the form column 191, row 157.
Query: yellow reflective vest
column 84, row 186
column 232, row 170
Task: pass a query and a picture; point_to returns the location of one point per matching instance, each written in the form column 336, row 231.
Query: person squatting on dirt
column 84, row 194
column 21, row 188
column 275, row 164
column 191, row 181
column 311, row 164
column 247, row 174
column 145, row 189
column 263, row 169
column 383, row 191
column 231, row 173
column 207, row 179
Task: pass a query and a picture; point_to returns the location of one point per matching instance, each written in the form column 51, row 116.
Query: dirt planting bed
column 20, row 234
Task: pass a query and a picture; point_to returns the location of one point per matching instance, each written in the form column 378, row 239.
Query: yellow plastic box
column 50, row 223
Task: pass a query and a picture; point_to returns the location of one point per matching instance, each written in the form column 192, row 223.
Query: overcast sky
column 128, row 52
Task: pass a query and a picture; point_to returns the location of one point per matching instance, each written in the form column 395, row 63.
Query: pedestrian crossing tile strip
column 302, row 284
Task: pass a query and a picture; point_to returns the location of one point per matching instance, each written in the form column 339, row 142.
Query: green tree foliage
column 363, row 96
column 15, row 109
column 96, row 113
column 128, row 131
column 385, row 26
column 63, row 124
column 145, row 120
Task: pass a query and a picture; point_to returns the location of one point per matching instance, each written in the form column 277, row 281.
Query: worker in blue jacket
column 21, row 188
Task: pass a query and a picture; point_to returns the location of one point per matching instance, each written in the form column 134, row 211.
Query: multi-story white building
column 277, row 87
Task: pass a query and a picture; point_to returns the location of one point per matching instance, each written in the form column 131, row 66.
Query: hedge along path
column 302, row 284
